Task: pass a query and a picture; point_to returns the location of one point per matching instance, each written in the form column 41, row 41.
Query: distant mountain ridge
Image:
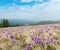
column 28, row 22
column 46, row 22
column 19, row 21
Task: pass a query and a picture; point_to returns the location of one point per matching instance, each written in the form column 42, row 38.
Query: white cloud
column 50, row 11
column 55, row 0
column 26, row 0
column 38, row 0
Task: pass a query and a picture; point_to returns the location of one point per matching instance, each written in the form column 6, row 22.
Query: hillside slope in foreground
column 39, row 37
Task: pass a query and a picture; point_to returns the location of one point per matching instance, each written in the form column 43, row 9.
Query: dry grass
column 22, row 37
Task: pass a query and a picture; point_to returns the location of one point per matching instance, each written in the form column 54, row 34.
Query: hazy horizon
column 36, row 10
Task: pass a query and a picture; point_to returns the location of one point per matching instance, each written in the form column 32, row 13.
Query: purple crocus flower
column 26, row 48
column 30, row 45
column 55, row 38
column 50, row 39
column 20, row 44
column 42, row 46
column 11, row 36
column 47, row 42
column 46, row 30
column 38, row 40
column 13, row 42
column 33, row 37
column 55, row 27
column 0, row 35
column 50, row 33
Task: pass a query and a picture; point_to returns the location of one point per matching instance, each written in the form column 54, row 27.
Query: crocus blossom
column 11, row 36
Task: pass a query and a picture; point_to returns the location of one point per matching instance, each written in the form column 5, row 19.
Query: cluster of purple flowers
column 42, row 40
column 29, row 46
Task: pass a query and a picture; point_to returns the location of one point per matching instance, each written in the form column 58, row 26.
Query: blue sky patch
column 18, row 2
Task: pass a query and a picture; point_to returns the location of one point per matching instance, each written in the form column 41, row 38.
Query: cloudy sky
column 37, row 10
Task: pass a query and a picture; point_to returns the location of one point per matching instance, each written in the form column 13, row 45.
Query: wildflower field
column 38, row 37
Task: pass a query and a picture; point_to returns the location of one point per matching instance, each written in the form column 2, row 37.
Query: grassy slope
column 25, row 31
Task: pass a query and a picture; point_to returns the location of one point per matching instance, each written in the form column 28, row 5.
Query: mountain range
column 22, row 22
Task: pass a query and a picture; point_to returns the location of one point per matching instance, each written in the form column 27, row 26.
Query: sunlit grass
column 39, row 37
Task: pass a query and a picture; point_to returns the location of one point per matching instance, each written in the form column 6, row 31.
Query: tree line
column 5, row 23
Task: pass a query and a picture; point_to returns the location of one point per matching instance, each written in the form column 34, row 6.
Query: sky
column 37, row 10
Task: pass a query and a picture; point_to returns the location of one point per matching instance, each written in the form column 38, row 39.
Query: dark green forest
column 5, row 23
